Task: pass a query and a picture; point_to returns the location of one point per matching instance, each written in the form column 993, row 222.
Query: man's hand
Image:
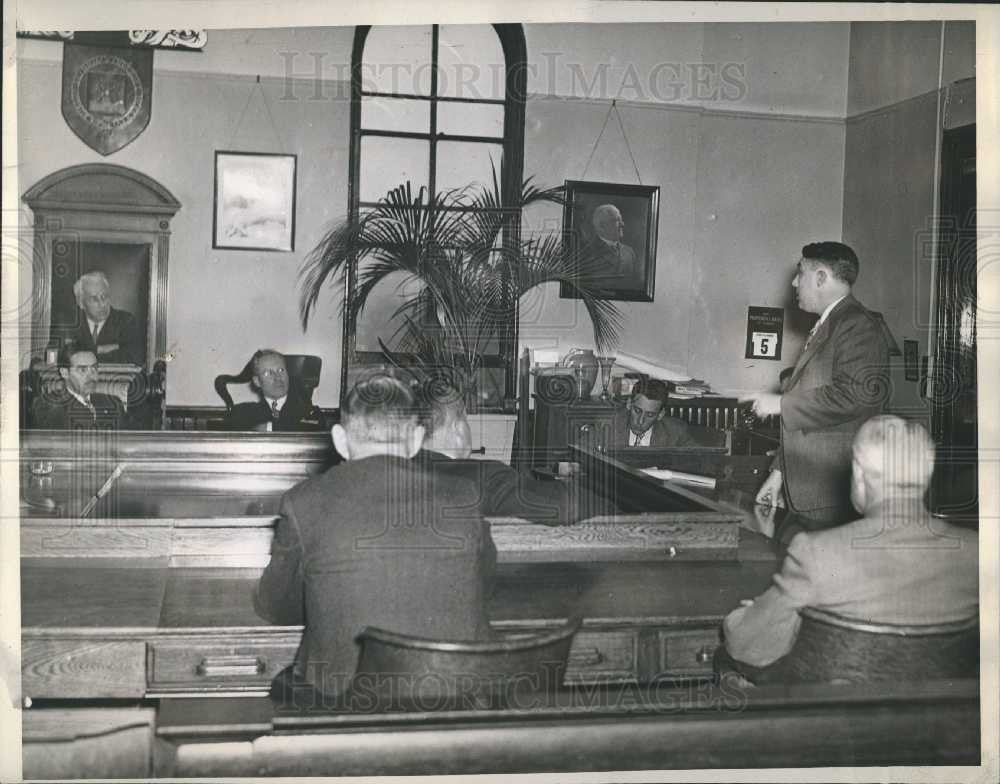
column 765, row 404
column 770, row 492
column 107, row 348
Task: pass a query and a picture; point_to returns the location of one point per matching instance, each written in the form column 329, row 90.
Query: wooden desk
column 122, row 614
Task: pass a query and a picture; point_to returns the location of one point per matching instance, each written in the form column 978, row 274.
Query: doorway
column 954, row 398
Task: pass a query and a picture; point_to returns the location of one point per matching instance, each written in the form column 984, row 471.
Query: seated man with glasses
column 282, row 407
column 75, row 405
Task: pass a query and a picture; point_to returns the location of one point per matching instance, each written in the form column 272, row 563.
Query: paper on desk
column 680, row 476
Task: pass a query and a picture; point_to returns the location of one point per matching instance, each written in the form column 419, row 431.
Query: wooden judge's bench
column 142, row 654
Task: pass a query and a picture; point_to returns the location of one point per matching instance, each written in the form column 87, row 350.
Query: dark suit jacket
column 897, row 565
column 668, row 431
column 297, row 415
column 839, row 382
column 504, row 492
column 121, row 328
column 64, row 412
column 376, row 542
column 621, row 268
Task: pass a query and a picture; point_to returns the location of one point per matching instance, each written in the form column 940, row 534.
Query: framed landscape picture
column 613, row 227
column 254, row 201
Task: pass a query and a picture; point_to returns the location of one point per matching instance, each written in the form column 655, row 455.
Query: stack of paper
column 680, row 476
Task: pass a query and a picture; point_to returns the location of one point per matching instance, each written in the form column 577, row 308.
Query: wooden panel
column 113, row 595
column 72, row 743
column 598, row 657
column 90, row 539
column 213, row 663
column 634, row 537
column 687, row 652
column 82, row 668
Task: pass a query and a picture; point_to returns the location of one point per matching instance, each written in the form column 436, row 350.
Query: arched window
column 435, row 105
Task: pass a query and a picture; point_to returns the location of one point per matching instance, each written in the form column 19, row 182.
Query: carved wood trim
column 100, row 202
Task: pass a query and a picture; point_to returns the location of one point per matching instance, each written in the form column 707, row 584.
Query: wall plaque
column 106, row 94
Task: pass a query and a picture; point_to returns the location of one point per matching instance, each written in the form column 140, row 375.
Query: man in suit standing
column 841, row 379
column 281, row 408
column 896, row 565
column 620, row 265
column 75, row 405
column 376, row 541
column 111, row 334
column 644, row 422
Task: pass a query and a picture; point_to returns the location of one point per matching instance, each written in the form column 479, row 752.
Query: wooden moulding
column 246, row 541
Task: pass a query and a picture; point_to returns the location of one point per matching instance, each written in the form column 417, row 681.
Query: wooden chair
column 412, row 673
column 830, row 647
column 303, row 374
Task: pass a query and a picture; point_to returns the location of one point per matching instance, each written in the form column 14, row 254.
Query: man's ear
column 663, row 413
column 821, row 277
column 415, row 440
column 341, row 441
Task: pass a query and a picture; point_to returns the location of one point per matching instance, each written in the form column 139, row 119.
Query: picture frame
column 632, row 255
column 254, row 205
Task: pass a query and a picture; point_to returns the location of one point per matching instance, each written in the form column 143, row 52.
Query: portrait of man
column 612, row 230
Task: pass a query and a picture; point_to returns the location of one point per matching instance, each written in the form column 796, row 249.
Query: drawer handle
column 587, row 658
column 704, row 655
column 219, row 666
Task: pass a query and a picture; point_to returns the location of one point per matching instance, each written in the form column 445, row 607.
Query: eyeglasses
column 274, row 373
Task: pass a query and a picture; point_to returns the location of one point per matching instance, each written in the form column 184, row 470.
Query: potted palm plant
column 463, row 247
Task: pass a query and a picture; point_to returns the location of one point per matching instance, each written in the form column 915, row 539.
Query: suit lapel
column 819, row 339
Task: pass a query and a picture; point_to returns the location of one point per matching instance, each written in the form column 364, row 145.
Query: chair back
column 831, row 647
column 413, row 673
column 303, row 375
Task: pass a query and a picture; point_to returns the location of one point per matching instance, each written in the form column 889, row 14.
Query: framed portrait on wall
column 612, row 228
column 254, row 201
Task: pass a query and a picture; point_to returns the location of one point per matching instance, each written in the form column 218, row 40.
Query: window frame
column 512, row 42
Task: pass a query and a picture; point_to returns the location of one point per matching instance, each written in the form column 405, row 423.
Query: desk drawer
column 687, row 652
column 217, row 664
column 598, row 657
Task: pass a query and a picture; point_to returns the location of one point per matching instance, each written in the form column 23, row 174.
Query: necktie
column 97, row 328
column 810, row 336
column 274, row 409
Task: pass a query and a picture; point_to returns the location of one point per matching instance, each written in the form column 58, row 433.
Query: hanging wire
column 613, row 109
column 239, row 123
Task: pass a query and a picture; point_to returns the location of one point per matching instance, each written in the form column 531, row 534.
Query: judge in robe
column 111, row 334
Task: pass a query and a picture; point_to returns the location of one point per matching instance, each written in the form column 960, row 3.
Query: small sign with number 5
column 764, row 331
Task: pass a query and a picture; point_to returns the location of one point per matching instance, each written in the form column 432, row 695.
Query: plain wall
column 746, row 175
column 890, row 175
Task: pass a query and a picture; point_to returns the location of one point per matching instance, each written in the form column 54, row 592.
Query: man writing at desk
column 376, row 541
column 644, row 422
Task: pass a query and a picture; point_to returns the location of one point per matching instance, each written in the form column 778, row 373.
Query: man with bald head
column 111, row 334
column 619, row 260
column 896, row 565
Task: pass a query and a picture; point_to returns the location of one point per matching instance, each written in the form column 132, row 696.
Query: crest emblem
column 106, row 94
